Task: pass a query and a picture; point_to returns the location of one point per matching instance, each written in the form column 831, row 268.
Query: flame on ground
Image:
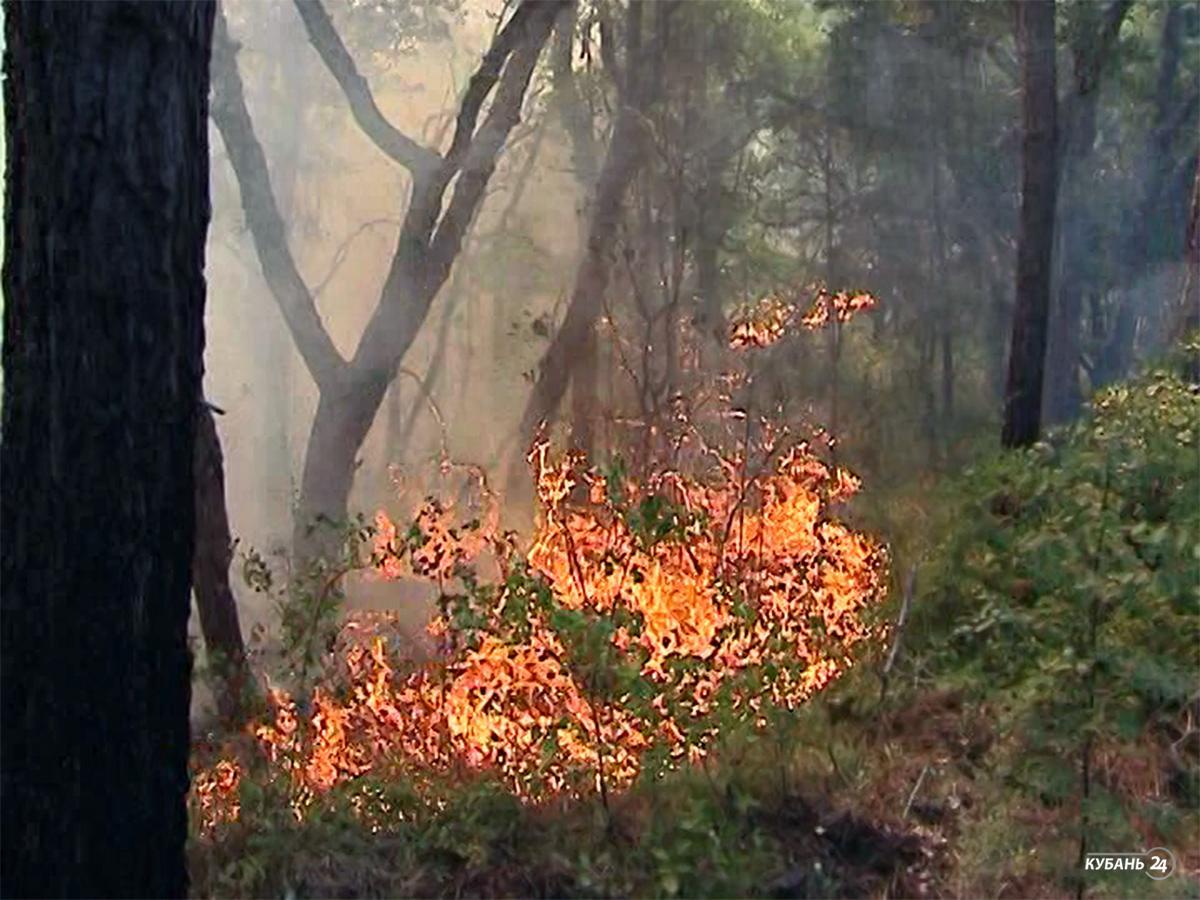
column 644, row 618
column 638, row 622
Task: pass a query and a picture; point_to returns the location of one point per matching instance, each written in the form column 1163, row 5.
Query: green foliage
column 309, row 602
column 1066, row 595
column 689, row 835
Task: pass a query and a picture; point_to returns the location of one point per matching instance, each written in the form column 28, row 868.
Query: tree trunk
column 339, row 428
column 106, row 212
column 947, row 375
column 1062, row 397
column 1116, row 353
column 1035, row 237
column 213, row 555
column 1116, row 356
column 712, row 224
column 638, row 85
column 591, row 280
column 585, row 393
column 1189, row 318
column 576, row 121
column 447, row 190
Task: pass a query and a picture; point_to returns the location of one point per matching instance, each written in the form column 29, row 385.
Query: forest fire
column 641, row 620
column 766, row 321
column 272, row 267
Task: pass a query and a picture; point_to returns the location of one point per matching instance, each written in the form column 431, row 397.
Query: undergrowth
column 1064, row 599
column 1044, row 705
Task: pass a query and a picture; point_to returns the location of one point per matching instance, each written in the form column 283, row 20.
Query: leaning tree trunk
column 591, row 279
column 638, row 86
column 575, row 116
column 1035, row 237
column 106, row 212
column 215, row 603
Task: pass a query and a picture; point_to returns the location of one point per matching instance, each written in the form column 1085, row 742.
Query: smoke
column 342, row 201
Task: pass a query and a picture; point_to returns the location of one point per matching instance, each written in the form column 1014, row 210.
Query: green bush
column 1066, row 596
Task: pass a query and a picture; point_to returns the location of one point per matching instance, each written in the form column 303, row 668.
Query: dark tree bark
column 1035, row 237
column 447, row 190
column 576, row 121
column 591, row 279
column 571, row 107
column 106, row 213
column 213, row 555
column 712, row 219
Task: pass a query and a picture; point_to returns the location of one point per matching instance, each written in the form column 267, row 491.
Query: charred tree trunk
column 585, row 393
column 591, row 280
column 1035, row 237
column 576, row 121
column 213, row 555
column 711, row 226
column 106, row 213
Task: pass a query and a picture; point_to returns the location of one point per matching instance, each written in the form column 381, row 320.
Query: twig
column 342, row 251
column 913, row 795
column 901, row 622
column 427, row 396
column 836, row 766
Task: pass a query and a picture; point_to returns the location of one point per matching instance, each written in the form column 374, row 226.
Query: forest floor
column 1043, row 705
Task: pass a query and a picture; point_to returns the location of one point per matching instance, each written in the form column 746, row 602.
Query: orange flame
column 643, row 617
column 766, row 321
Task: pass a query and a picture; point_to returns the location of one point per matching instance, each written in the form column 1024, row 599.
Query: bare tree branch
column 418, row 159
column 480, row 159
column 352, row 391
column 423, row 259
column 261, row 210
column 528, row 19
column 343, row 250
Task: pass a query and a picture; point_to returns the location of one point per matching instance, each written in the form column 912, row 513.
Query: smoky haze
column 342, row 202
column 871, row 146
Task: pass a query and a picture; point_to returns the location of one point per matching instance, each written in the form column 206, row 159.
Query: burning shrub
column 767, row 320
column 646, row 618
column 643, row 620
